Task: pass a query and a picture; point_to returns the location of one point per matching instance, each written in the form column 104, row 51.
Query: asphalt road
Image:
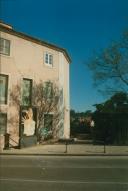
column 50, row 173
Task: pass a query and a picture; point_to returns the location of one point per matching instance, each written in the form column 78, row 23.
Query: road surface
column 54, row 173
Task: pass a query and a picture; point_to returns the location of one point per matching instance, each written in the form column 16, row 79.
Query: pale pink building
column 25, row 59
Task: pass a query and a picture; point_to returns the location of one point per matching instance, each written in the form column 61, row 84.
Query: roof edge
column 10, row 30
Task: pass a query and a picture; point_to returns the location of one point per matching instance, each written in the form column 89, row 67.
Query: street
column 54, row 173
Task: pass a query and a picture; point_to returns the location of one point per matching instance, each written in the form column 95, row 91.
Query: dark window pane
column 50, row 59
column 46, row 58
column 3, row 88
column 48, row 90
column 48, row 121
column 26, row 92
column 3, row 123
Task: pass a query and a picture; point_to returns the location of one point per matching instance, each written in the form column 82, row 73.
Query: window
column 48, row 89
column 3, row 123
column 4, row 46
column 49, row 59
column 48, row 121
column 3, row 88
column 26, row 92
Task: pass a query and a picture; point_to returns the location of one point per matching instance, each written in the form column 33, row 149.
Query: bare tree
column 110, row 67
column 14, row 103
column 47, row 98
column 15, row 96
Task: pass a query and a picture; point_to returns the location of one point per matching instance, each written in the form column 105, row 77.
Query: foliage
column 111, row 120
column 78, row 123
column 46, row 97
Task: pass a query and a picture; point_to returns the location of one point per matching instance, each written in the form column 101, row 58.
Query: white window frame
column 5, row 47
column 49, row 61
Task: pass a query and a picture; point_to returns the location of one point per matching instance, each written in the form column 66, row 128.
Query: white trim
column 49, row 54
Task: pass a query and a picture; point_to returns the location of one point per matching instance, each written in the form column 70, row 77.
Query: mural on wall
column 28, row 121
column 28, row 125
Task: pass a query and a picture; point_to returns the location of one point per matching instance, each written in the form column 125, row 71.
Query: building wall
column 26, row 60
column 64, row 82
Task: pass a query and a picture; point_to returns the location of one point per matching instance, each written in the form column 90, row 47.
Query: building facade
column 24, row 61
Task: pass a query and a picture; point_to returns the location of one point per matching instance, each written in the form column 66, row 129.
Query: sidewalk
column 72, row 150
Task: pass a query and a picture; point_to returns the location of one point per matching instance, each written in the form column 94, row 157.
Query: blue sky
column 80, row 26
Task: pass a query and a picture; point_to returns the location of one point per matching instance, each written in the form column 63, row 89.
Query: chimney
column 5, row 25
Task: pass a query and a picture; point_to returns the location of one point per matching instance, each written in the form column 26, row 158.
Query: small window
column 3, row 88
column 49, row 59
column 26, row 92
column 48, row 90
column 3, row 123
column 4, row 46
